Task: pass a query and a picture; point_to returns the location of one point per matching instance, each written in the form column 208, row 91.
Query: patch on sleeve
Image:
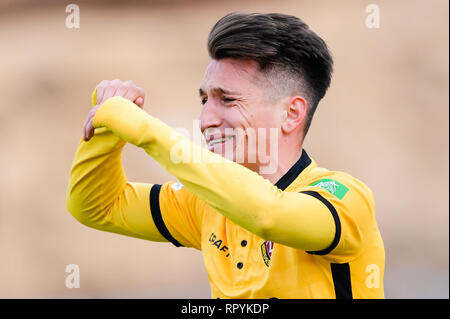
column 177, row 186
column 332, row 186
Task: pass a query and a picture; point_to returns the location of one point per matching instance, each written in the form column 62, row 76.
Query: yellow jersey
column 311, row 235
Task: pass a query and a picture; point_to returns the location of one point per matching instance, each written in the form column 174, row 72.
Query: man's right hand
column 107, row 89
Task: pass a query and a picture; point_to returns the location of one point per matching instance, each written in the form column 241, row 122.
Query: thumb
column 139, row 102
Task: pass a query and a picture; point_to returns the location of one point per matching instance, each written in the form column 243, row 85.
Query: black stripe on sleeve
column 337, row 223
column 342, row 281
column 157, row 217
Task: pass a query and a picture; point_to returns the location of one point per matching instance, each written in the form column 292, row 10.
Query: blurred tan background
column 384, row 120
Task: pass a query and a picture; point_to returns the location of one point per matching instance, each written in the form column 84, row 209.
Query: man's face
column 237, row 112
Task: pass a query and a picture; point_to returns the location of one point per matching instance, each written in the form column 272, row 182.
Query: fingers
column 110, row 90
column 88, row 128
column 139, row 102
column 107, row 89
column 101, row 90
column 135, row 94
column 116, row 87
column 121, row 91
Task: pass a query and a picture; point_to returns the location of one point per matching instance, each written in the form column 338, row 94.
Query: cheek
column 256, row 115
column 266, row 118
column 239, row 117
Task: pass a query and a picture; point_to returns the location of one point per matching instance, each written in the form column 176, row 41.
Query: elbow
column 76, row 208
column 86, row 210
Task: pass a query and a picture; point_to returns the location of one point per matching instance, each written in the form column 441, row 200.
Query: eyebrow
column 216, row 89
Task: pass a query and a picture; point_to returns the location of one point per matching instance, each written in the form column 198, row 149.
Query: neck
column 280, row 165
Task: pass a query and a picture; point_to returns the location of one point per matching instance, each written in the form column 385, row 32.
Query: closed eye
column 228, row 99
column 224, row 99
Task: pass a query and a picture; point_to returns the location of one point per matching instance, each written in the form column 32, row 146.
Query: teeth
column 219, row 140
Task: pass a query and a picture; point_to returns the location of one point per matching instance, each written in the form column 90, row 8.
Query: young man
column 269, row 221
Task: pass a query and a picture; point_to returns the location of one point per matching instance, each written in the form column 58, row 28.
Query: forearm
column 99, row 194
column 96, row 177
column 239, row 194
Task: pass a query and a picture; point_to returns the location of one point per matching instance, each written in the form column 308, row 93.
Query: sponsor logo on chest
column 218, row 243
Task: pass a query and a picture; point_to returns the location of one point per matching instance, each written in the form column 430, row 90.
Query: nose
column 211, row 116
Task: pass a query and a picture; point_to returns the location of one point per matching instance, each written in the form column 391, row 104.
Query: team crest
column 266, row 250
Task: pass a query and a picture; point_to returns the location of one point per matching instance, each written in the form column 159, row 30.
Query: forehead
column 231, row 75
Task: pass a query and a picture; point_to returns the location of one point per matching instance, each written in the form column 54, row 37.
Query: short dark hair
column 276, row 41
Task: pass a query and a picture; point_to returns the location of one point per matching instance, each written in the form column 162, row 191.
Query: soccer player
column 270, row 222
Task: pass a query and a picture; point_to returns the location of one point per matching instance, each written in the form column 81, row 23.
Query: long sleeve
column 99, row 194
column 246, row 198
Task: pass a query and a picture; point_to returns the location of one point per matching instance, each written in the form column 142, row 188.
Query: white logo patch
column 329, row 186
column 177, row 186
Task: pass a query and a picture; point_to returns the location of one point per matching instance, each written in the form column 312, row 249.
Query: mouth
column 218, row 142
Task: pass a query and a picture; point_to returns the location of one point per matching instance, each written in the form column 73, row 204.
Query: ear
column 294, row 114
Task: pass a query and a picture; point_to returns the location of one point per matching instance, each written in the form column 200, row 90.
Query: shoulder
column 339, row 184
column 351, row 203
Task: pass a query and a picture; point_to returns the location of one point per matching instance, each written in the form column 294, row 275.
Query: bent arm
column 243, row 196
column 99, row 194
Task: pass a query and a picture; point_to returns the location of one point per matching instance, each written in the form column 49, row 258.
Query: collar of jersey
column 294, row 171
